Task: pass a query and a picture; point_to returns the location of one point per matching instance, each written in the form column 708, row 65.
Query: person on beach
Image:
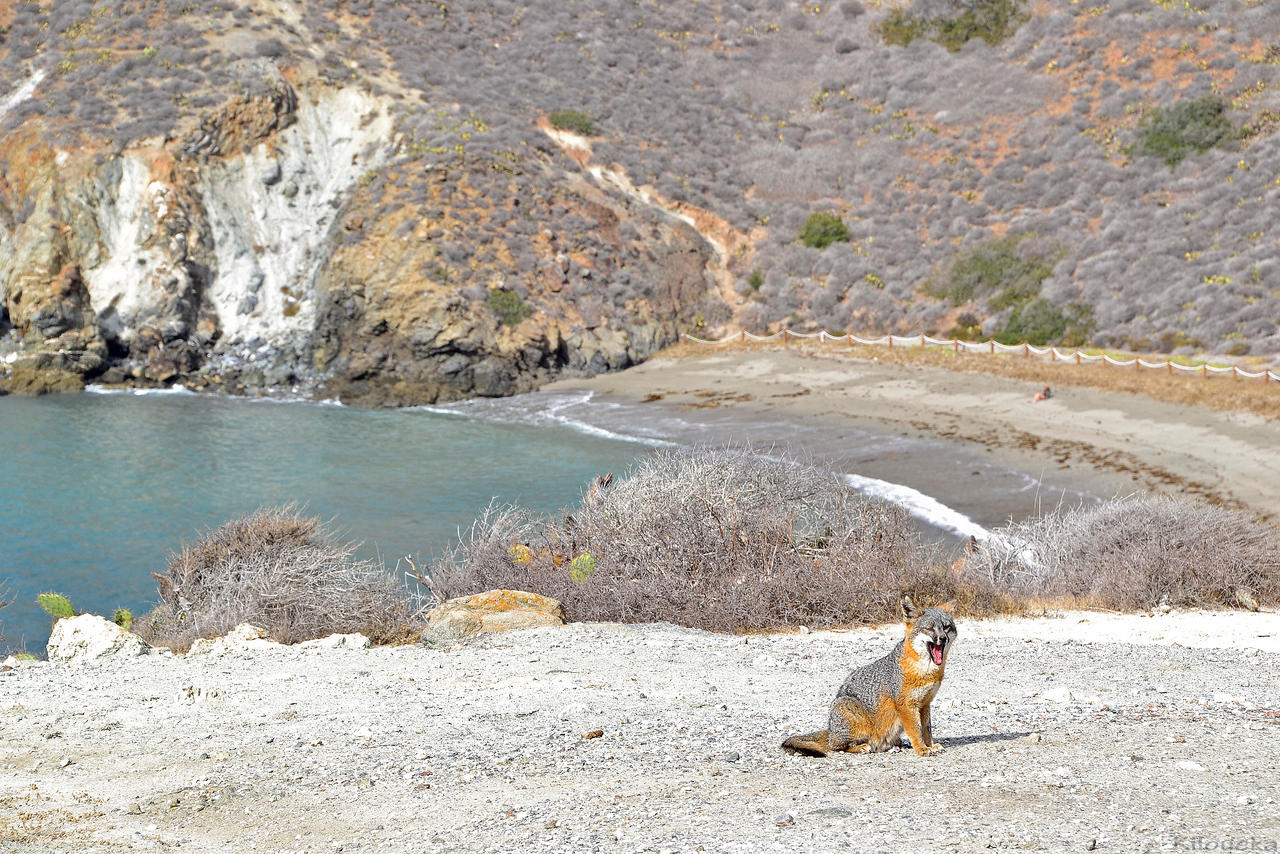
column 1042, row 395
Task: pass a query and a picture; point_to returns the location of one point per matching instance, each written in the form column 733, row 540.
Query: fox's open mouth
column 935, row 652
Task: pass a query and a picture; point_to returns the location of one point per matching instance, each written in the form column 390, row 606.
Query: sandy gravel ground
column 1071, row 732
column 1105, row 443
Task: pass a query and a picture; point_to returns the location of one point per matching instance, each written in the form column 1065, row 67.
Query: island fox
column 881, row 700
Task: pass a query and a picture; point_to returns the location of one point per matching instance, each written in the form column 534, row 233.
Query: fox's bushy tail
column 812, row 744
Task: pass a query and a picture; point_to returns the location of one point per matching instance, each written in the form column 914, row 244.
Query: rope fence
column 1055, row 355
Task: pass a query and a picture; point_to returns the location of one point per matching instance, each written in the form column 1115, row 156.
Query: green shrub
column 968, row 327
column 1188, row 127
column 583, row 567
column 1039, row 322
column 756, row 279
column 508, row 306
column 56, row 605
column 123, row 618
column 573, row 120
column 1007, row 275
column 990, row 20
column 822, row 229
column 996, row 271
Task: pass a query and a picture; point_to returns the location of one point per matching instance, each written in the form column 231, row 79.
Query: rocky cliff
column 401, row 202
column 257, row 252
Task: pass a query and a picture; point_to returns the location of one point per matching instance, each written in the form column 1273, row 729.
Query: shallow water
column 97, row 489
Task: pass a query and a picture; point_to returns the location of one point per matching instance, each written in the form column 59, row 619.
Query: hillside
column 369, row 199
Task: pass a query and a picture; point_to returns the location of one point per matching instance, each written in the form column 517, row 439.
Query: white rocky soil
column 1077, row 731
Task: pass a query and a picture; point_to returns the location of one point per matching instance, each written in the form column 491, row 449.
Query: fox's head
column 930, row 632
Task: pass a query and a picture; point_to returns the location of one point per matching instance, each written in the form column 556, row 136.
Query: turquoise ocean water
column 97, row 489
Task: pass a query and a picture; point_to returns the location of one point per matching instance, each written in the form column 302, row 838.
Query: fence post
column 784, row 336
column 1026, row 349
column 742, row 336
column 1235, row 372
column 921, row 340
column 955, row 344
column 1137, row 363
column 890, row 340
column 1168, row 367
column 992, row 342
column 1053, row 354
column 1077, row 356
column 1204, row 370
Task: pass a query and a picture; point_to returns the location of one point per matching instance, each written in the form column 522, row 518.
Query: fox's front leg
column 926, row 726
column 914, row 725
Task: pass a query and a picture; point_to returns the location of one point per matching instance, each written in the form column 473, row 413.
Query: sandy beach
column 1082, row 442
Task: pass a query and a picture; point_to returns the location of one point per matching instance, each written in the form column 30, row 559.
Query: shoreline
column 1083, row 441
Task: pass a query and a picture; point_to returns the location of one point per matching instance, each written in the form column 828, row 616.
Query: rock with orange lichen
column 494, row 611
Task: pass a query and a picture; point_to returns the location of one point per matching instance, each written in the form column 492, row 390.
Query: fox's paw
column 929, row 750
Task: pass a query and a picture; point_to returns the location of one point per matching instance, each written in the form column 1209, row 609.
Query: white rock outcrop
column 242, row 637
column 88, row 637
column 355, row 640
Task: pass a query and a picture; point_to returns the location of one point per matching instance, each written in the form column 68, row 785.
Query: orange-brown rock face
column 268, row 248
column 488, row 298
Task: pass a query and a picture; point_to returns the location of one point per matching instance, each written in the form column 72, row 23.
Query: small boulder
column 493, row 611
column 89, row 637
column 450, row 629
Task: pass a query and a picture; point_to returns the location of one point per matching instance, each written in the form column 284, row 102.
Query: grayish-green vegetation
column 280, row 571
column 728, row 540
column 723, row 539
column 1135, row 553
column 979, row 119
column 508, row 306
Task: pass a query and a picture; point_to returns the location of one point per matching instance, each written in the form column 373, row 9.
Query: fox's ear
column 909, row 609
column 948, row 606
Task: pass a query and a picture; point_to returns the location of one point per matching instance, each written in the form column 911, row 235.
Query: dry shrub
column 279, row 571
column 721, row 539
column 1134, row 553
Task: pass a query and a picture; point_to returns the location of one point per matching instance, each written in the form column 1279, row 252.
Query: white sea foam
column 592, row 430
column 538, row 409
column 564, row 410
column 94, row 388
column 924, row 507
